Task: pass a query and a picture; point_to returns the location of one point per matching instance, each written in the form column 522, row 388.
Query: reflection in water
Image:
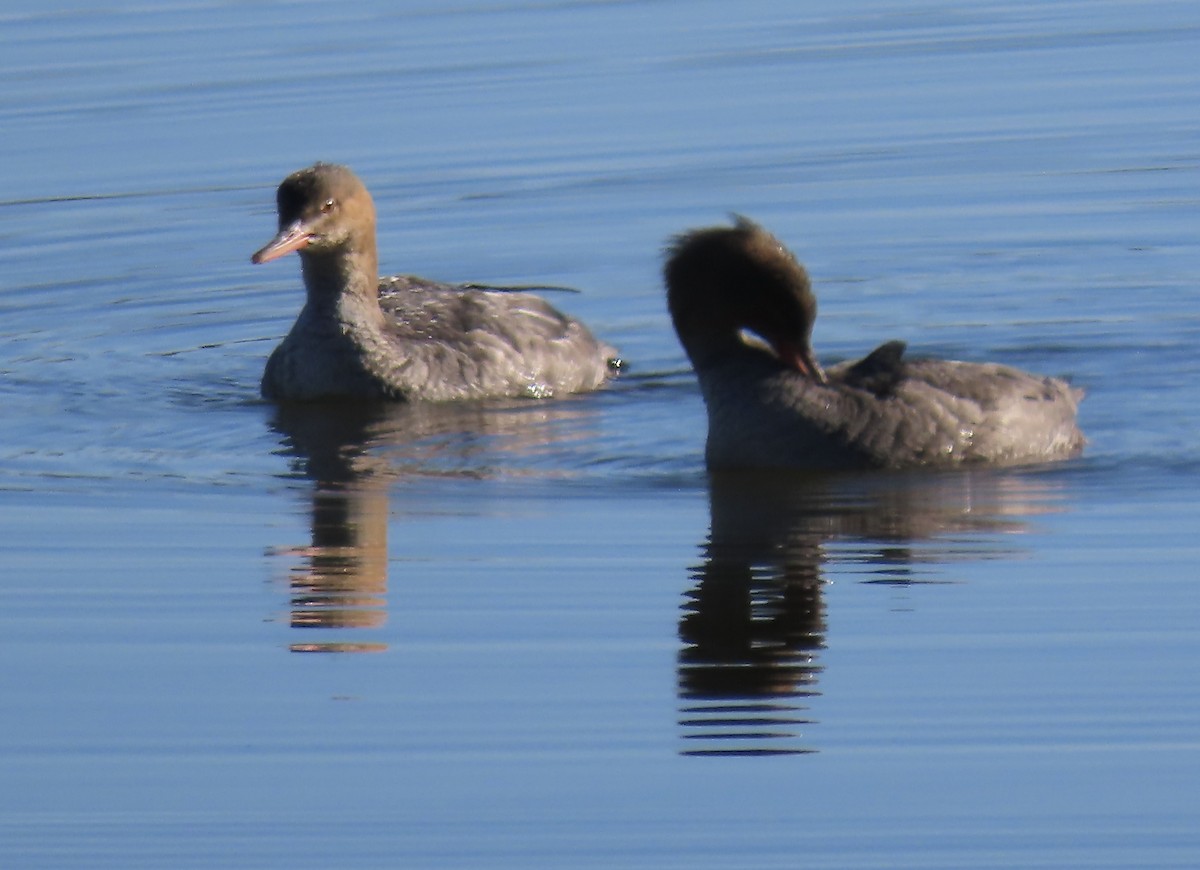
column 753, row 624
column 341, row 580
column 353, row 453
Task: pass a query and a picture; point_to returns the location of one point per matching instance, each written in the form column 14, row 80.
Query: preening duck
column 743, row 308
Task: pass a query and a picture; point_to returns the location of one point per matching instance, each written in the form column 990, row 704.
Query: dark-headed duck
column 771, row 405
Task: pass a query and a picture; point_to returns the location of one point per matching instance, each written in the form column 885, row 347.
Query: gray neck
column 343, row 285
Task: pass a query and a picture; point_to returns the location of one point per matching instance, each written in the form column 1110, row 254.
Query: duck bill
column 802, row 360
column 290, row 238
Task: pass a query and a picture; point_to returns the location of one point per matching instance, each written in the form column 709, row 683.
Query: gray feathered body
column 435, row 342
column 929, row 413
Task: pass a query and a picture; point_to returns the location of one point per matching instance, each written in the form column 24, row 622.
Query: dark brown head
column 722, row 281
column 323, row 209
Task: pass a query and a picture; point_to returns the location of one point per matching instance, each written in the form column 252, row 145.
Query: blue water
column 524, row 634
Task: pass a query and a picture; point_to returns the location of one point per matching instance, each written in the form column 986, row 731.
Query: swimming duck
column 743, row 309
column 407, row 338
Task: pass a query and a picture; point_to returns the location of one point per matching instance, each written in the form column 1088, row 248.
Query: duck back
column 440, row 342
column 930, row 413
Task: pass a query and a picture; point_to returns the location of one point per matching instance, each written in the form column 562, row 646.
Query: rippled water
column 537, row 634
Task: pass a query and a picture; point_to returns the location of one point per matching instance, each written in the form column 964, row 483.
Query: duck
column 743, row 308
column 406, row 338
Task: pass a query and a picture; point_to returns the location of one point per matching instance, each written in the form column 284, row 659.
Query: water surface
column 523, row 634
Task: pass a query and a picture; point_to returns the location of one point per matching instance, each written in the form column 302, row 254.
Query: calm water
column 537, row 634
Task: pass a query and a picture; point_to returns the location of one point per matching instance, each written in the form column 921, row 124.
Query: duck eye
column 327, row 206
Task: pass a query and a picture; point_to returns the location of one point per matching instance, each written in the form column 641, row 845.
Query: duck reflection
column 754, row 622
column 353, row 454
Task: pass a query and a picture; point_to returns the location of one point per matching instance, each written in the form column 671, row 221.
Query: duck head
column 323, row 210
column 724, row 281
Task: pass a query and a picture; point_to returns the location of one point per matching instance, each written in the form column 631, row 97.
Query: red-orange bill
column 291, row 238
column 802, row 360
